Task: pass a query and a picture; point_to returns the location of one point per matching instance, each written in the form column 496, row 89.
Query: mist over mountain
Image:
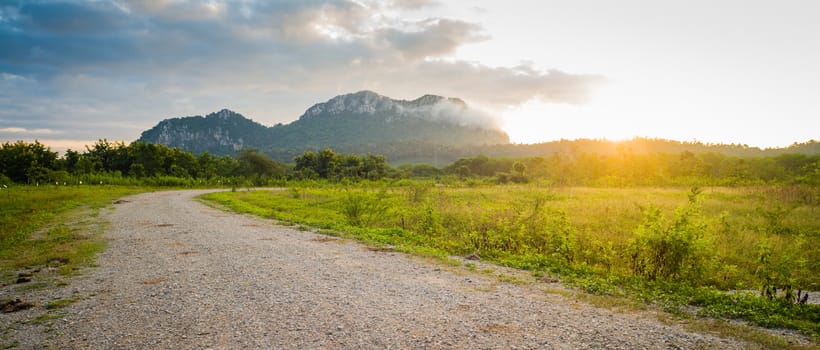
column 363, row 121
column 430, row 129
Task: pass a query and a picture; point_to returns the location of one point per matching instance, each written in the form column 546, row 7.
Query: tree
column 70, row 159
column 327, row 164
column 22, row 162
column 375, row 166
column 253, row 163
column 519, row 168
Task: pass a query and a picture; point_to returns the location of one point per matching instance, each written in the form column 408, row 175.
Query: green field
column 667, row 246
column 48, row 226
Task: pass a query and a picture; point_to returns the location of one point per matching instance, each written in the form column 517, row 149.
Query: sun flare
column 602, row 117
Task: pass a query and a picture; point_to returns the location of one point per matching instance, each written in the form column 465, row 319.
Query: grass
column 49, row 226
column 47, row 318
column 53, row 227
column 760, row 338
column 724, row 238
column 60, row 303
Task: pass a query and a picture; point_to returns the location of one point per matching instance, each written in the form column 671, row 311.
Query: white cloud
column 24, row 131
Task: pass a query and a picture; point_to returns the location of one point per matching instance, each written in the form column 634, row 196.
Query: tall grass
column 676, row 245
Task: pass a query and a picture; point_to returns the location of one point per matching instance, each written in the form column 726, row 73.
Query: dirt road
column 180, row 275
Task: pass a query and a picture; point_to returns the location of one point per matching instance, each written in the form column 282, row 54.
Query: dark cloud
column 67, row 18
column 65, row 65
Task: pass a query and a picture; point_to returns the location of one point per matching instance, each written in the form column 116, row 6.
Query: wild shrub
column 775, row 218
column 296, row 192
column 670, row 250
column 430, row 222
column 362, row 209
column 780, row 275
column 553, row 235
column 416, row 192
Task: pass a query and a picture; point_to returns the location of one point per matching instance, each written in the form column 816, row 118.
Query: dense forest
column 153, row 164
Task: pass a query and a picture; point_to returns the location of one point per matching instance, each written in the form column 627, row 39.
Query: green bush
column 361, row 209
column 675, row 250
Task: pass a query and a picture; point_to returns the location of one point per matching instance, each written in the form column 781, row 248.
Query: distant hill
column 364, row 121
column 430, row 129
column 641, row 145
column 224, row 132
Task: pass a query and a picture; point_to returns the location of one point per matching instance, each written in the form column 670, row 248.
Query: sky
column 728, row 71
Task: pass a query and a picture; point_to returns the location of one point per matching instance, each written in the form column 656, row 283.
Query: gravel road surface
column 180, row 275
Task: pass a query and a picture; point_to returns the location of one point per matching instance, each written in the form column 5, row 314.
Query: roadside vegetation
column 741, row 253
column 39, row 226
column 694, row 234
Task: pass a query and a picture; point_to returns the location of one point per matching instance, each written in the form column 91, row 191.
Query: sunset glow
column 737, row 72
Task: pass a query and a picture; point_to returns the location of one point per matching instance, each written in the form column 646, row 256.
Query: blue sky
column 730, row 71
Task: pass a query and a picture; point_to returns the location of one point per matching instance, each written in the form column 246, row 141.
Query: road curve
column 180, row 275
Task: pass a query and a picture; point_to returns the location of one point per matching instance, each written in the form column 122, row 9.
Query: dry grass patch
column 152, row 281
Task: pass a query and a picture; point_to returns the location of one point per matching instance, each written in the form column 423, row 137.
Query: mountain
column 364, row 121
column 223, row 132
column 367, row 118
column 429, row 129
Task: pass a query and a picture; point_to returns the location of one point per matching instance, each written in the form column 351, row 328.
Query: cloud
column 458, row 113
column 58, row 145
column 15, row 130
column 507, row 86
column 24, row 131
column 95, row 69
column 435, row 37
column 413, row 4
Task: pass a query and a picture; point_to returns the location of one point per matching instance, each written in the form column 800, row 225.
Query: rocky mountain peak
column 224, row 114
column 369, row 102
column 364, row 120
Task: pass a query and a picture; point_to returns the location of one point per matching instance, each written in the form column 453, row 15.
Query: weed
column 47, row 318
column 60, row 303
column 670, row 251
column 640, row 244
column 28, row 287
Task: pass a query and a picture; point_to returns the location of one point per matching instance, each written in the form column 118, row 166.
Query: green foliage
column 256, row 166
column 675, row 250
column 60, row 303
column 336, row 167
column 642, row 169
column 154, row 164
column 135, row 164
column 604, row 240
column 26, row 210
column 363, row 208
column 24, row 162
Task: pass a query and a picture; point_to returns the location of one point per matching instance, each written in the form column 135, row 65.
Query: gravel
column 180, row 275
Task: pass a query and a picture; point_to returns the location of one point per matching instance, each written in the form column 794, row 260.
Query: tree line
column 155, row 164
column 148, row 163
column 138, row 162
column 635, row 169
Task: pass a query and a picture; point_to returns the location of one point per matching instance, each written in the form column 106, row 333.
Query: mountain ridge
column 360, row 118
column 429, row 129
